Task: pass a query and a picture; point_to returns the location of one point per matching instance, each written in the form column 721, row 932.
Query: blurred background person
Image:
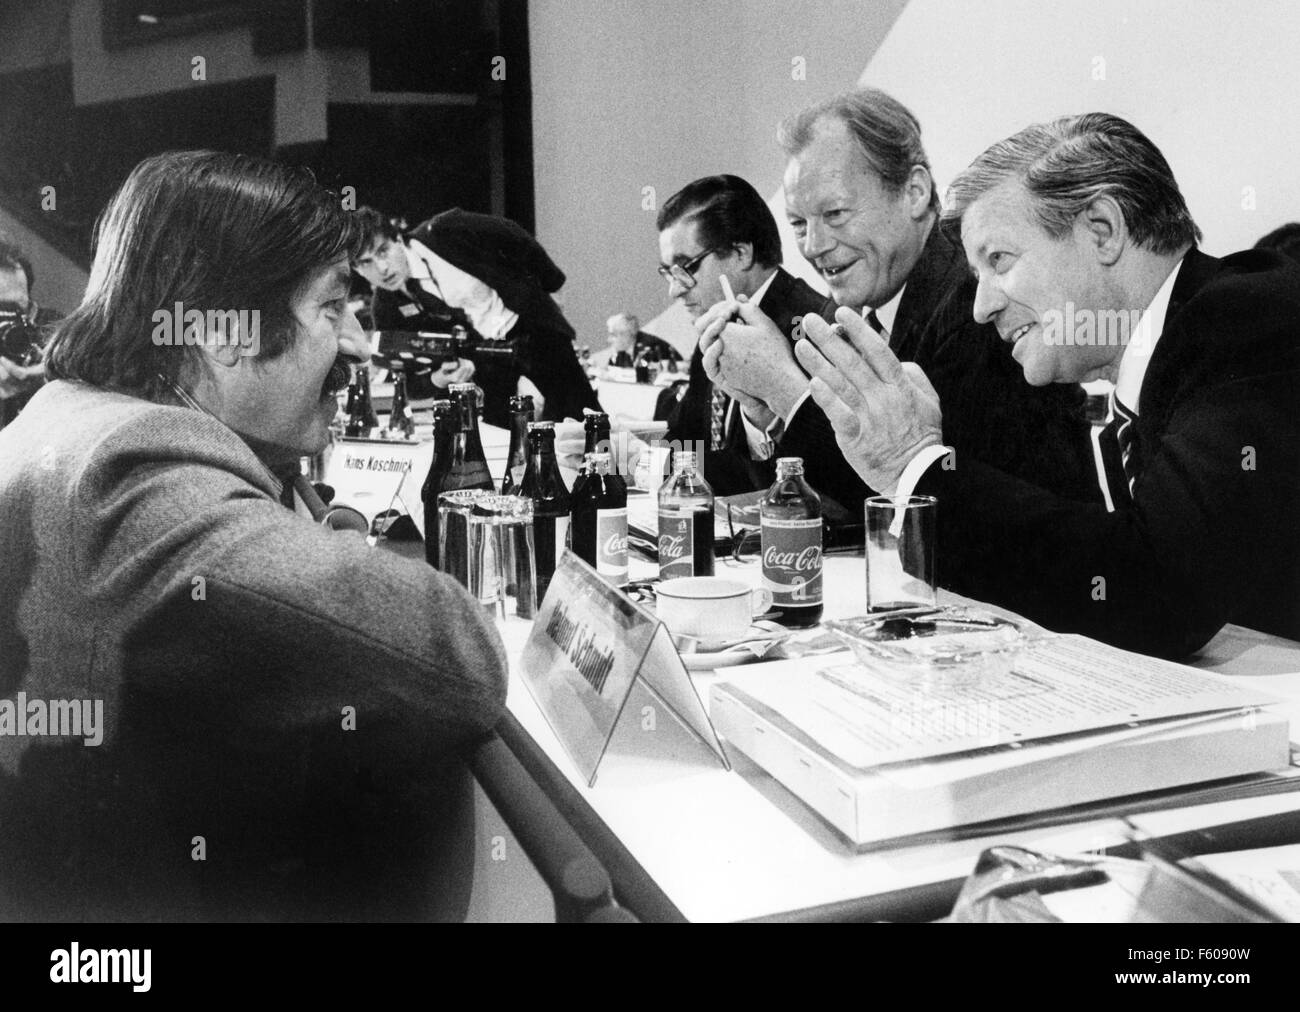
column 501, row 279
column 24, row 330
column 628, row 344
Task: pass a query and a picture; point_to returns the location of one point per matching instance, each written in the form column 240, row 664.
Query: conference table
column 683, row 838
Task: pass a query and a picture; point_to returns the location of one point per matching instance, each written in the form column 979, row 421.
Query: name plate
column 367, row 475
column 589, row 645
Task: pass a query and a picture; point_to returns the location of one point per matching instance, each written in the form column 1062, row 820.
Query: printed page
column 1059, row 686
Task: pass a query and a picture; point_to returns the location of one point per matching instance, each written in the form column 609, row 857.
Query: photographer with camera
column 24, row 330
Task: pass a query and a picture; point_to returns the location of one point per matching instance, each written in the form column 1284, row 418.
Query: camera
column 20, row 338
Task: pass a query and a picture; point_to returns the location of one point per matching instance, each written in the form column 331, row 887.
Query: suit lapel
column 936, row 272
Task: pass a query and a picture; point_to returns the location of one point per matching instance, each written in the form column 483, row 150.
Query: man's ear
column 1102, row 222
column 222, row 351
column 917, row 190
column 744, row 255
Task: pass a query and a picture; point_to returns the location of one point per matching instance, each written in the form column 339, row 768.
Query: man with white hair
column 628, row 343
column 1086, row 262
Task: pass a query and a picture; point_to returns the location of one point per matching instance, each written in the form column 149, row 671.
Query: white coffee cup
column 709, row 608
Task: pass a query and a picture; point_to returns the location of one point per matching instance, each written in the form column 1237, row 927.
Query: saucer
column 719, row 659
column 760, row 634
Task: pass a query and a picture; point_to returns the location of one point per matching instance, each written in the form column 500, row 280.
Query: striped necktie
column 717, row 418
column 1126, row 436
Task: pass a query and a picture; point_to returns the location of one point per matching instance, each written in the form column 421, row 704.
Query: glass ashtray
column 940, row 644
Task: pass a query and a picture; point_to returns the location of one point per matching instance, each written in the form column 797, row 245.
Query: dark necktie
column 429, row 303
column 1126, row 435
column 873, row 321
column 1121, row 456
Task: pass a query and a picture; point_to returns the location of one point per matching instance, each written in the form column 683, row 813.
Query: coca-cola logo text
column 672, row 545
column 804, row 561
column 616, row 545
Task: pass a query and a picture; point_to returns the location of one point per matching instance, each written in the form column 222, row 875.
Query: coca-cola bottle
column 792, row 545
column 521, row 414
column 685, row 521
column 361, row 419
column 552, row 504
column 401, row 420
column 599, row 522
column 444, row 429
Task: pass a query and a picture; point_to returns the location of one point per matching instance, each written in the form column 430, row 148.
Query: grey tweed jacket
column 277, row 699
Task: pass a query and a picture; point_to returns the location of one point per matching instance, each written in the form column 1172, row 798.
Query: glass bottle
column 401, row 420
column 361, row 419
column 444, row 427
column 521, row 414
column 599, row 522
column 552, row 503
column 791, row 536
column 469, row 463
column 685, row 521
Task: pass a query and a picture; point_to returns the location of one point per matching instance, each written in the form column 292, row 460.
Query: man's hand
column 625, row 449
column 16, row 379
column 884, row 412
column 751, row 360
column 459, row 371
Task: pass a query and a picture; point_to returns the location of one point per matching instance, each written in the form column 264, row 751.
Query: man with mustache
column 1087, row 264
column 864, row 209
column 281, row 701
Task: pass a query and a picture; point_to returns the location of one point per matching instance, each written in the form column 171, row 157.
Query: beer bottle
column 352, row 396
column 444, row 426
column 599, row 522
column 521, row 414
column 685, row 521
column 596, row 428
column 401, row 420
column 578, row 490
column 361, row 416
column 552, row 503
column 469, row 465
column 791, row 537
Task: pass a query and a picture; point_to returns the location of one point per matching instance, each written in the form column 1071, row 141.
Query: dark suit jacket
column 732, row 469
column 989, row 411
column 1209, row 535
column 509, row 260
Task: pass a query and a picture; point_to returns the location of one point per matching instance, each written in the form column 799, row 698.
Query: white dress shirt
column 481, row 303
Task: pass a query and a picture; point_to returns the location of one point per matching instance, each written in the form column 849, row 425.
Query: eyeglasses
column 743, row 539
column 684, row 274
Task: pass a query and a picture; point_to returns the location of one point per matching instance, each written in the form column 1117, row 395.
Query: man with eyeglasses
column 715, row 226
column 864, row 209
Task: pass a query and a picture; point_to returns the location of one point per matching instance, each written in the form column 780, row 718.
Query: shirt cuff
column 795, row 409
column 911, row 476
